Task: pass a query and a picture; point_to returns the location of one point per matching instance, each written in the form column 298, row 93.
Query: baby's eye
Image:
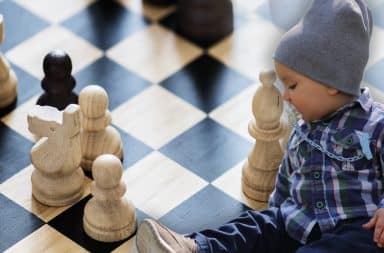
column 292, row 86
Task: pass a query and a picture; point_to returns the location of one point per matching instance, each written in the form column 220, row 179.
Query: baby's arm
column 281, row 190
column 377, row 221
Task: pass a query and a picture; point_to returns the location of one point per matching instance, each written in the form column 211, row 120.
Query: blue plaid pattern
column 312, row 187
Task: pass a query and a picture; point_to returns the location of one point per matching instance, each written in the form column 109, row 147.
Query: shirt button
column 316, row 175
column 319, row 204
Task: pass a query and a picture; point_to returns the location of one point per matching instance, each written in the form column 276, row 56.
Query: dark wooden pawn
column 58, row 81
column 205, row 20
column 161, row 2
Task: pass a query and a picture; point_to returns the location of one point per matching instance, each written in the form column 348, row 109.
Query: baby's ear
column 332, row 91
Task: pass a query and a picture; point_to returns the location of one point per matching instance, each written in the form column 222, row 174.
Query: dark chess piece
column 161, row 2
column 205, row 20
column 58, row 82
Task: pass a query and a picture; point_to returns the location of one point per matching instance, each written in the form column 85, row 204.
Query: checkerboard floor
column 181, row 107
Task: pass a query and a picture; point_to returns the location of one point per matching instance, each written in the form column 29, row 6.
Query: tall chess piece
column 108, row 216
column 259, row 172
column 205, row 21
column 57, row 179
column 8, row 80
column 97, row 136
column 58, row 82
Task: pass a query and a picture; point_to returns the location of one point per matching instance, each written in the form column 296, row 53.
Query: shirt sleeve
column 282, row 186
column 380, row 148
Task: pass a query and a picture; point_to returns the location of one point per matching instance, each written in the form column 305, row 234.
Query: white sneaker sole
column 148, row 239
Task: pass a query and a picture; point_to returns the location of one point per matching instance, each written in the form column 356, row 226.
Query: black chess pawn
column 161, row 2
column 205, row 20
column 58, row 81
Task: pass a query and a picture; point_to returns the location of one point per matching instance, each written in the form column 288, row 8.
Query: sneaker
column 153, row 237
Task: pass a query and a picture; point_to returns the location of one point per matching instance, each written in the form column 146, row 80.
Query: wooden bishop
column 97, row 136
column 57, row 179
column 259, row 171
column 8, row 80
column 108, row 216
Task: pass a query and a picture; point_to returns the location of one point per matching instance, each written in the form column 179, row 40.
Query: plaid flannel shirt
column 311, row 187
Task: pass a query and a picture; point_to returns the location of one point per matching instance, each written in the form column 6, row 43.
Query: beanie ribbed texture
column 330, row 44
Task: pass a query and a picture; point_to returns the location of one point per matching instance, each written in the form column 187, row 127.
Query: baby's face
column 310, row 98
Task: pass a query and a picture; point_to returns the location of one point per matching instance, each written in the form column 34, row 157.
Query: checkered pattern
column 181, row 107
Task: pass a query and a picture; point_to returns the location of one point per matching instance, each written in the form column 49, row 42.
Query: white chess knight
column 97, row 136
column 57, row 178
column 8, row 80
column 259, row 171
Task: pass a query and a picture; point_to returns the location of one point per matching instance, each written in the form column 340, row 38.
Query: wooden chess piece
column 57, row 179
column 259, row 171
column 8, row 80
column 108, row 216
column 205, row 21
column 161, row 2
column 58, row 81
column 97, row 136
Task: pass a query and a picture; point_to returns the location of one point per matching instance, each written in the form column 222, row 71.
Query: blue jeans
column 264, row 232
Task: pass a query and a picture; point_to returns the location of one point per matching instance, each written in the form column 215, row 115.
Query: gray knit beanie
column 330, row 44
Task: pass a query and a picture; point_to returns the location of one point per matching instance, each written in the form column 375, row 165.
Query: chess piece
column 8, row 80
column 108, row 216
column 97, row 136
column 259, row 171
column 161, row 2
column 58, row 81
column 57, row 179
column 205, row 21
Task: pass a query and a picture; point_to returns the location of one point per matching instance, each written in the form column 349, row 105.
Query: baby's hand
column 377, row 221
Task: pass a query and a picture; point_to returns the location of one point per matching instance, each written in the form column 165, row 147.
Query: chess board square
column 55, row 37
column 250, row 50
column 376, row 52
column 170, row 22
column 211, row 215
column 16, row 223
column 14, row 152
column 152, row 12
column 206, row 83
column 152, row 180
column 17, row 119
column 133, row 149
column 19, row 189
column 378, row 14
column 109, row 23
column 236, row 113
column 46, row 239
column 375, row 75
column 208, row 149
column 154, row 53
column 13, row 35
column 54, row 11
column 127, row 247
column 230, row 183
column 163, row 122
column 378, row 94
column 119, row 83
column 284, row 14
column 28, row 84
column 70, row 224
